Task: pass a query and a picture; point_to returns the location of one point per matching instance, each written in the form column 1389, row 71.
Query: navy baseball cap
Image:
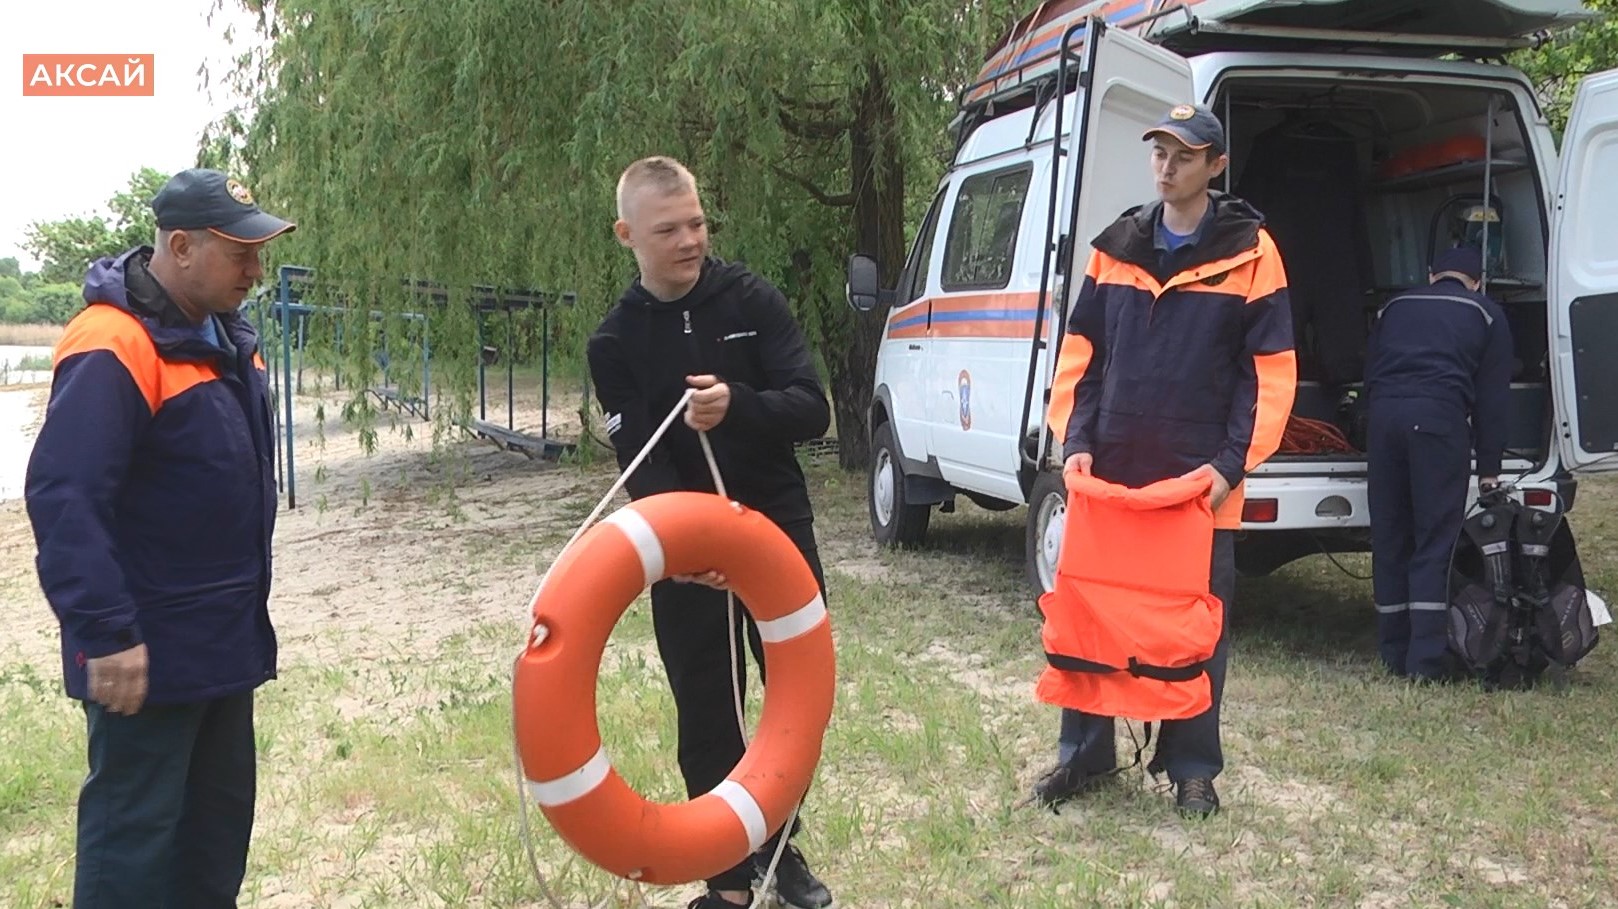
column 1194, row 125
column 202, row 199
column 1462, row 260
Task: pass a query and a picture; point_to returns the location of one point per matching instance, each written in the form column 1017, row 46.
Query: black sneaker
column 1196, row 798
column 712, row 900
column 1066, row 781
column 796, row 887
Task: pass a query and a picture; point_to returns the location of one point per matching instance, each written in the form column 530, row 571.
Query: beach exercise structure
column 489, row 302
column 284, row 325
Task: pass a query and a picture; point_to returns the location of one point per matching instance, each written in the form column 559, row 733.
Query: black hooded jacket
column 734, row 325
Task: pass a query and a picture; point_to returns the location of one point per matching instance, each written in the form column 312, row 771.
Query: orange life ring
column 554, row 692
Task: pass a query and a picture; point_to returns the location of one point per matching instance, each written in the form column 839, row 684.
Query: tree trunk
column 877, row 173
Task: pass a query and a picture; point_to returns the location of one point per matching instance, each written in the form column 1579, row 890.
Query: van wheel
column 1047, row 518
column 894, row 521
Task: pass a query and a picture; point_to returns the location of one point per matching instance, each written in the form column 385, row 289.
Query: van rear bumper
column 1341, row 503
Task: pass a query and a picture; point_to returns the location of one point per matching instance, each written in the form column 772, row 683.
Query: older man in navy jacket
column 1437, row 377
column 152, row 494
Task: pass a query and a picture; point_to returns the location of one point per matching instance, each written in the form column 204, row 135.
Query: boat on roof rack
column 1025, row 60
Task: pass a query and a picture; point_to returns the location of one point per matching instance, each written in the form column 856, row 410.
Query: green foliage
column 1557, row 67
column 481, row 143
column 58, row 303
column 16, row 304
column 68, row 246
column 19, row 311
column 9, row 268
column 24, row 299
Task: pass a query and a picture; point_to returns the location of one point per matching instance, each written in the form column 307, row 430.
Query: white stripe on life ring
column 747, row 811
column 575, row 785
column 794, row 624
column 643, row 538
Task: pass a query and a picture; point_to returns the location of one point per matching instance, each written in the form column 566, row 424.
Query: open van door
column 1584, row 280
column 1132, row 85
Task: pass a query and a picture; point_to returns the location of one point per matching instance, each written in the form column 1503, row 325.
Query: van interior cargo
column 1361, row 181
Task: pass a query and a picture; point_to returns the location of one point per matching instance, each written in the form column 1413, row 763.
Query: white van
column 1371, row 148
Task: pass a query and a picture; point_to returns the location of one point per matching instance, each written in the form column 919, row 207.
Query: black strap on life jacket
column 1135, row 668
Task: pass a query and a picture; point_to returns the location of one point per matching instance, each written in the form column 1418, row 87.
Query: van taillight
column 1538, row 498
column 1260, row 511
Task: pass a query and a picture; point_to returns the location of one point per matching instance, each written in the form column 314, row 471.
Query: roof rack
column 1016, row 88
column 1461, row 44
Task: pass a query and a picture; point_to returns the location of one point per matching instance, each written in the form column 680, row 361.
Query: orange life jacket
column 1131, row 623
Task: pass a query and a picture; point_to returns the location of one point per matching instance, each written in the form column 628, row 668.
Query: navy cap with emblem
column 203, row 199
column 1193, row 125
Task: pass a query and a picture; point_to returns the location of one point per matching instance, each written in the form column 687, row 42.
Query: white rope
column 619, row 483
column 733, row 635
column 735, row 677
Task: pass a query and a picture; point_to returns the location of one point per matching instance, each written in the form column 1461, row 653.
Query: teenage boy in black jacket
column 692, row 321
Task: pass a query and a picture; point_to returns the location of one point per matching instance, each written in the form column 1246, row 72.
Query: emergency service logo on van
column 1182, row 112
column 238, row 192
column 964, row 389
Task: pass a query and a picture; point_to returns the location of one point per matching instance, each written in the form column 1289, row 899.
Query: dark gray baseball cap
column 1194, row 125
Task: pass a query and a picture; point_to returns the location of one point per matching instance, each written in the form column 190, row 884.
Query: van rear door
column 1583, row 304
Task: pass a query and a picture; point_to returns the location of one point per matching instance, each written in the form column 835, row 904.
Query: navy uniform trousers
column 1420, row 469
column 166, row 812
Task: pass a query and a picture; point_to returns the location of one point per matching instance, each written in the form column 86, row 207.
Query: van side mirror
column 864, row 286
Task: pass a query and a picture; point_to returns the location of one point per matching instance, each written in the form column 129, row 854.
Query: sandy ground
column 387, row 556
column 333, row 590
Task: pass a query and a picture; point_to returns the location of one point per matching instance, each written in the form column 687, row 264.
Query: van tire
column 894, row 521
column 1047, row 516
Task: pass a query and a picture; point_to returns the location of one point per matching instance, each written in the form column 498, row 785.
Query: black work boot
column 1067, row 781
column 796, row 887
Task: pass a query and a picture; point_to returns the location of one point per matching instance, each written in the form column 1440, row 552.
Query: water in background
column 12, row 358
column 20, row 412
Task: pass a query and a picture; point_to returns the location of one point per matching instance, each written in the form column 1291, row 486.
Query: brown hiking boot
column 1196, row 798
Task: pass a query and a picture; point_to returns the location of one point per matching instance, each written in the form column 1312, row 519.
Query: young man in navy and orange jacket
column 151, row 490
column 1178, row 360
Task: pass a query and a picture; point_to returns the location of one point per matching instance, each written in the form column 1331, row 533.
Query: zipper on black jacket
column 691, row 341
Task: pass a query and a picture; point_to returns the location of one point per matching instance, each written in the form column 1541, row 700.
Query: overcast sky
column 61, row 157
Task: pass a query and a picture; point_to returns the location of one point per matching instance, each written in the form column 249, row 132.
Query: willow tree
column 1558, row 65
column 479, row 142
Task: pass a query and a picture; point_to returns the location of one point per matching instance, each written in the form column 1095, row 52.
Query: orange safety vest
column 1131, row 624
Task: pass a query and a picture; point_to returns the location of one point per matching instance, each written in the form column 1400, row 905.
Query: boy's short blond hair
column 665, row 175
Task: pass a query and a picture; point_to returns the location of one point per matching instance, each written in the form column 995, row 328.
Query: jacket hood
column 127, row 283
column 1234, row 230
column 717, row 276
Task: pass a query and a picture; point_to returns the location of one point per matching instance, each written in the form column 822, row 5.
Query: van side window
column 913, row 285
column 983, row 230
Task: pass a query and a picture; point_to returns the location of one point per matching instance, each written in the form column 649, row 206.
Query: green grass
column 388, row 781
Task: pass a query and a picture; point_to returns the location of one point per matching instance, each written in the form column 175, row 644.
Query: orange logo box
column 88, row 75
